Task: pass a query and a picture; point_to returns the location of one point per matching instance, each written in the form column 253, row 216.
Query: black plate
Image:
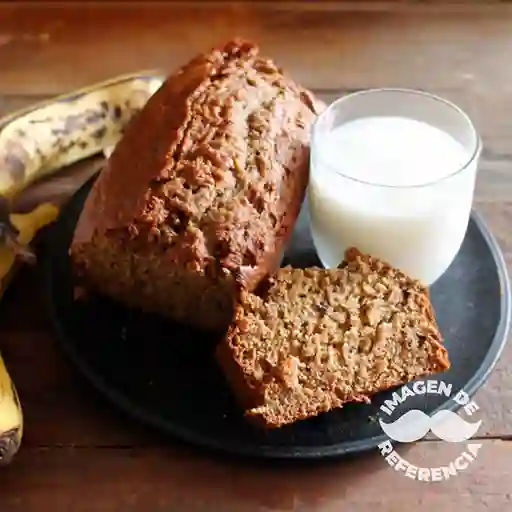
column 156, row 371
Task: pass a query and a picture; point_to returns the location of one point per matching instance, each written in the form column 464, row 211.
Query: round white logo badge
column 412, row 425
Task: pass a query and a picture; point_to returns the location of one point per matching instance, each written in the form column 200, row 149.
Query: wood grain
column 174, row 480
column 75, row 443
column 59, row 49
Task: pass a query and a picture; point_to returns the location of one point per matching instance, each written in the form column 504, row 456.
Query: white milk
column 377, row 184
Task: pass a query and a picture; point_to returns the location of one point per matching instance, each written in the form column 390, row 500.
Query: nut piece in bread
column 315, row 339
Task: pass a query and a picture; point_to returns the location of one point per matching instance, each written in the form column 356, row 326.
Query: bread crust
column 201, row 194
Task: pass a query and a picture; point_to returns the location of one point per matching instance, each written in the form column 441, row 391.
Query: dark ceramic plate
column 155, row 370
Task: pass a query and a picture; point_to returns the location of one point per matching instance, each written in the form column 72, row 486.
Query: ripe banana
column 11, row 417
column 35, row 143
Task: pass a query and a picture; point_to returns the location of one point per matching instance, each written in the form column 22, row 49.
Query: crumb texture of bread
column 200, row 195
column 316, row 339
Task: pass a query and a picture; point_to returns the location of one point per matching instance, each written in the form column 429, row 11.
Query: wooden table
column 81, row 455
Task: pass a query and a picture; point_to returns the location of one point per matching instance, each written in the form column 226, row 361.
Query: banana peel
column 47, row 136
column 35, row 143
column 11, row 417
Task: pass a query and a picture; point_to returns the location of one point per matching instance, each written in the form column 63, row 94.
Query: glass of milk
column 393, row 174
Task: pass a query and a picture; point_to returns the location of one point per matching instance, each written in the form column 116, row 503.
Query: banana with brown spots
column 35, row 143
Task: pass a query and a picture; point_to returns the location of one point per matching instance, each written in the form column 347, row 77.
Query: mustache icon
column 415, row 425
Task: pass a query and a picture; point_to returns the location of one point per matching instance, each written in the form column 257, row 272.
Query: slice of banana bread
column 315, row 339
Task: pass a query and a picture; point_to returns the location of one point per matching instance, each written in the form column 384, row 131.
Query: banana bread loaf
column 315, row 339
column 199, row 197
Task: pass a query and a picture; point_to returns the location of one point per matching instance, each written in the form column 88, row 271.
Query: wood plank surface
column 74, row 441
column 158, row 480
column 45, row 51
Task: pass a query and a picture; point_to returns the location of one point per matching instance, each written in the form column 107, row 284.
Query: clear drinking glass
column 418, row 228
